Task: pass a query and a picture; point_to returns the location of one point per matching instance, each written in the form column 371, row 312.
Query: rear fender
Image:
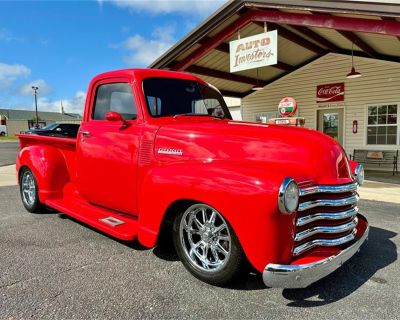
column 49, row 167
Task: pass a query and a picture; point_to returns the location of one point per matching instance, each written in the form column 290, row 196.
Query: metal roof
column 13, row 114
column 307, row 30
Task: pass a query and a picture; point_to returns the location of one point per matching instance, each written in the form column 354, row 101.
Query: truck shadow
column 377, row 253
column 248, row 280
column 131, row 244
column 166, row 252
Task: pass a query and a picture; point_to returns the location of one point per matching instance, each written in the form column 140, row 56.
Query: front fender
column 247, row 202
column 49, row 167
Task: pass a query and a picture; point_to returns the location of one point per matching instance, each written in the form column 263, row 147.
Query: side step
column 120, row 226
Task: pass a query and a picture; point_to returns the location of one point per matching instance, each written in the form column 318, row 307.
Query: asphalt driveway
column 53, row 267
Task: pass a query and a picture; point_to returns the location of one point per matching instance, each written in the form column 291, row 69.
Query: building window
column 265, row 116
column 382, row 124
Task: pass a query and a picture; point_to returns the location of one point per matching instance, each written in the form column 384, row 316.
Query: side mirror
column 114, row 116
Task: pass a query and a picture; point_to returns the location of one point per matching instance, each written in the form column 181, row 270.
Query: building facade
column 317, row 44
column 21, row 120
column 366, row 119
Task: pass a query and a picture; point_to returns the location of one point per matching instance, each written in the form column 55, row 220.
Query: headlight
column 288, row 196
column 359, row 174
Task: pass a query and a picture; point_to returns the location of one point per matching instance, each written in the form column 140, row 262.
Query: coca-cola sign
column 332, row 92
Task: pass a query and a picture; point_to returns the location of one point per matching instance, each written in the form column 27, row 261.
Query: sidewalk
column 8, row 176
column 382, row 176
column 371, row 190
column 380, row 191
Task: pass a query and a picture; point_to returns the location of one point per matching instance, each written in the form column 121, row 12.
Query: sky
column 59, row 46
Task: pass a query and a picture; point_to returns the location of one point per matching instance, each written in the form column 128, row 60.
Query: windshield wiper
column 196, row 115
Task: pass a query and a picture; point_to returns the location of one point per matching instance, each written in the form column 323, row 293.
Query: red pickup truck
column 158, row 154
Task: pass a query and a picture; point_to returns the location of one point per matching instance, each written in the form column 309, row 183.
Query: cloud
column 26, row 89
column 10, row 72
column 71, row 105
column 142, row 51
column 193, row 7
column 7, row 36
column 21, row 97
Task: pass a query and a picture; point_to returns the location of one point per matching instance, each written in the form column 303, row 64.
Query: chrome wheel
column 28, row 188
column 205, row 238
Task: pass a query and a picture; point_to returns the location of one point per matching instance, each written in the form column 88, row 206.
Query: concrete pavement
column 8, row 176
column 380, row 191
column 53, row 267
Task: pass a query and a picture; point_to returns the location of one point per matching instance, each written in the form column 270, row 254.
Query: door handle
column 85, row 134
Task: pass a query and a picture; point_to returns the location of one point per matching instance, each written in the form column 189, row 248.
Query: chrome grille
column 327, row 216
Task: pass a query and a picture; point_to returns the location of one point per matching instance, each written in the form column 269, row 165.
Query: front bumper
column 302, row 275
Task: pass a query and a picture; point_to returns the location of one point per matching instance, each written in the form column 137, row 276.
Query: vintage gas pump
column 287, row 109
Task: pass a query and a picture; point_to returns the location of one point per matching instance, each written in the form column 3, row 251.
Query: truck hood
column 304, row 154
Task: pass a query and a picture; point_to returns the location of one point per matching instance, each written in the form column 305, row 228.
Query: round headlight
column 359, row 174
column 288, row 196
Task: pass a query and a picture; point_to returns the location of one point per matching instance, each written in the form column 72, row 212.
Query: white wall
column 380, row 83
column 234, row 107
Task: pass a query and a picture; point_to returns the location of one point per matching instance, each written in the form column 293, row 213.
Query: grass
column 8, row 138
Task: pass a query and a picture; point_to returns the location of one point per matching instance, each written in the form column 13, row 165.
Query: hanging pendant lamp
column 353, row 73
column 258, row 86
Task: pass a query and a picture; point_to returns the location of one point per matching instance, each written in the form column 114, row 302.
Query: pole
column 35, row 89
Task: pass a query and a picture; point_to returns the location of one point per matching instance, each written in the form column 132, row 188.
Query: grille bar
column 331, row 211
column 351, row 187
column 327, row 216
column 324, row 242
column 326, row 230
column 328, row 202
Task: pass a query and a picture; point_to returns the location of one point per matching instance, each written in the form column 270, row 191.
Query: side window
column 155, row 105
column 116, row 97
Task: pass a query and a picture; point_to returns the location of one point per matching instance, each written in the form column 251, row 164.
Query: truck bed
column 60, row 153
column 27, row 139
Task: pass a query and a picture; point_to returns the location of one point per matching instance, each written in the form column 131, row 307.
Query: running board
column 122, row 227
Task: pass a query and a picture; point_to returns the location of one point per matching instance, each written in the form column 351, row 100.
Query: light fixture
column 258, row 86
column 353, row 73
column 35, row 90
column 288, row 196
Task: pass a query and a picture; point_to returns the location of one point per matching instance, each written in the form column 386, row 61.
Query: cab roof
column 140, row 74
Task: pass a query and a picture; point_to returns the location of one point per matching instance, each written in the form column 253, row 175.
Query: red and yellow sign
column 287, row 107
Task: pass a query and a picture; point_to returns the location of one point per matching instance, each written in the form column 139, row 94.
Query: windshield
column 172, row 97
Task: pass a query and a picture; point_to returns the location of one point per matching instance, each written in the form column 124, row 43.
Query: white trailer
column 3, row 130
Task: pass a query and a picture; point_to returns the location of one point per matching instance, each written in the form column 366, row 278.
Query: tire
column 29, row 191
column 2, row 133
column 207, row 245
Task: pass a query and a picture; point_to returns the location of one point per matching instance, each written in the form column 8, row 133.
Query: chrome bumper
column 301, row 276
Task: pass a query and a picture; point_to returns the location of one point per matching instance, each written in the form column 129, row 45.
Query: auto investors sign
column 254, row 52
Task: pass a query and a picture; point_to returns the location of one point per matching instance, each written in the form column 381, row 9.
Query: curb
column 7, row 164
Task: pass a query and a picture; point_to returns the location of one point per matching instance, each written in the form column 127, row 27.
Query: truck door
column 107, row 150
